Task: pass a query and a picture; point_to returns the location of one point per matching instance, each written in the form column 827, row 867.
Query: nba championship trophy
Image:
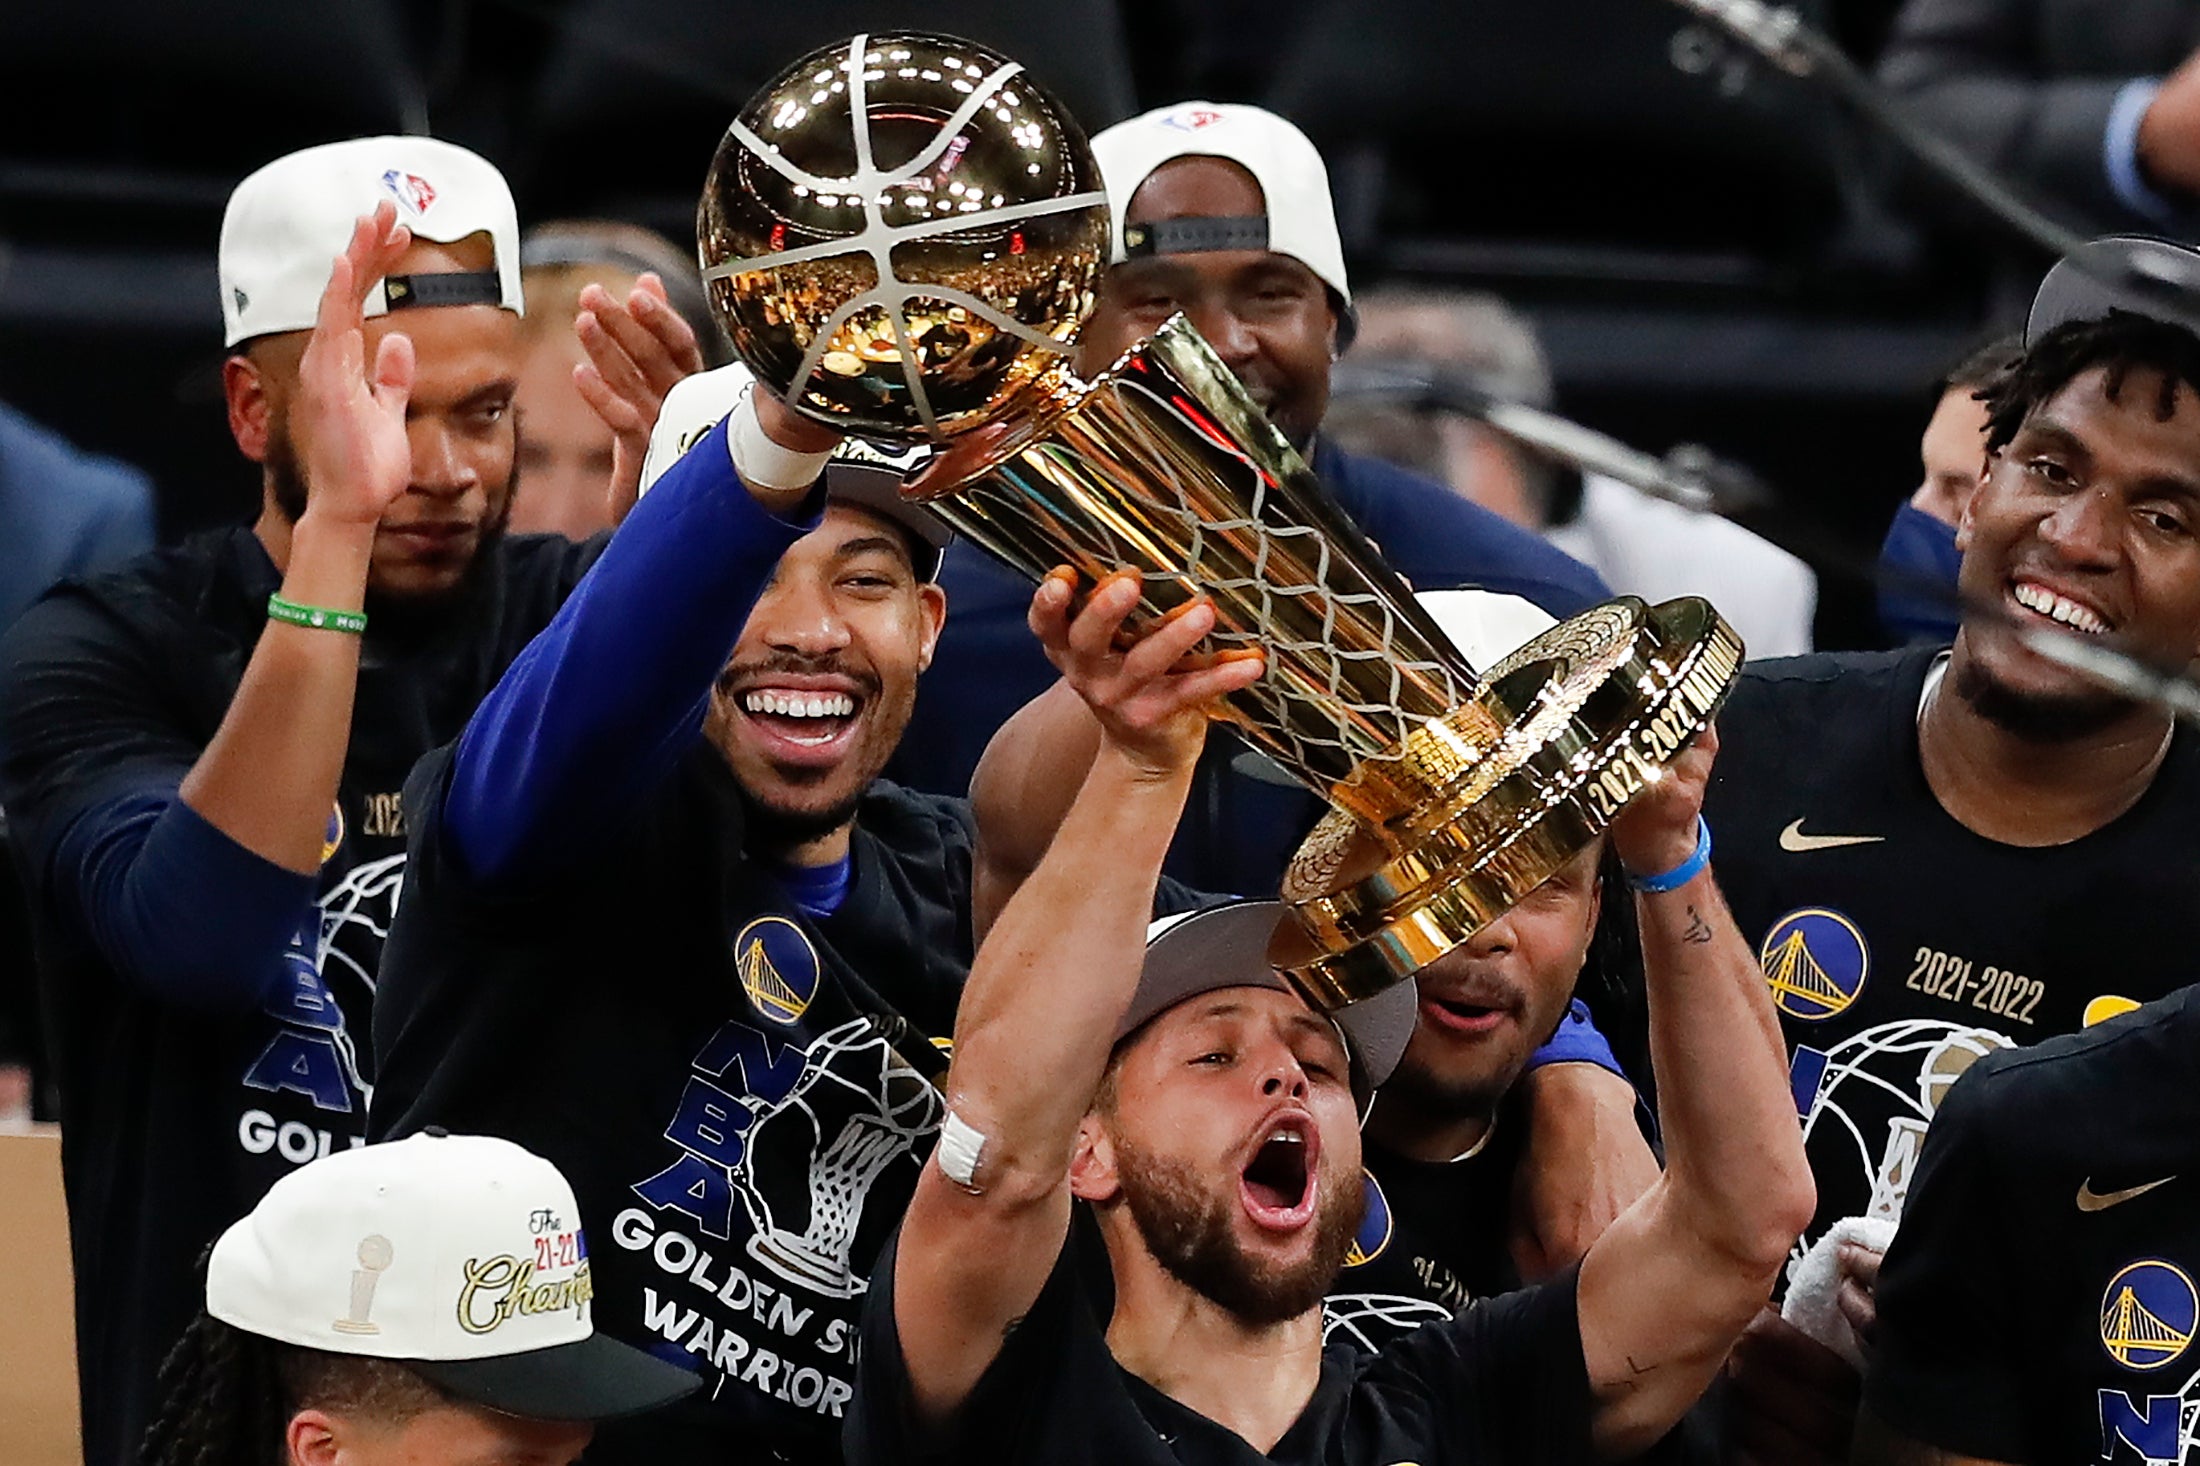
column 902, row 234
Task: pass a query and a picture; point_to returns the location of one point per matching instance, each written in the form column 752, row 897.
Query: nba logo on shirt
column 409, row 189
column 1816, row 962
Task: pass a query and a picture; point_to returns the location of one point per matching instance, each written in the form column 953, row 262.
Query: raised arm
column 604, row 701
column 1050, row 983
column 1672, row 1283
column 191, row 867
column 268, row 778
column 1022, row 791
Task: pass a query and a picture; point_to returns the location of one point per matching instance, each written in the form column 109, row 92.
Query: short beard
column 771, row 831
column 1442, row 1100
column 2033, row 718
column 1188, row 1233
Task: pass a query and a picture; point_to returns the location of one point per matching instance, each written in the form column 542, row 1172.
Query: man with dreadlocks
column 1946, row 851
column 419, row 1303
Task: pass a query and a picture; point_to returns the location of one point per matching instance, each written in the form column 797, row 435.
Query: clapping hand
column 638, row 350
column 349, row 423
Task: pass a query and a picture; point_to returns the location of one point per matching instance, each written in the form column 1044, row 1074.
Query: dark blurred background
column 1712, row 251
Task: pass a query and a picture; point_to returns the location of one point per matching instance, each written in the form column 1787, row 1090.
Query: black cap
column 1227, row 947
column 2156, row 278
column 596, row 1378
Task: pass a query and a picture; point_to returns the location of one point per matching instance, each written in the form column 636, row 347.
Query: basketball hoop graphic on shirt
column 855, row 1111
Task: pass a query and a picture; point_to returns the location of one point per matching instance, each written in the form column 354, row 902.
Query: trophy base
column 1587, row 715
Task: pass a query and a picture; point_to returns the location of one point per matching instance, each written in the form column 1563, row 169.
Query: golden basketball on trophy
column 902, row 234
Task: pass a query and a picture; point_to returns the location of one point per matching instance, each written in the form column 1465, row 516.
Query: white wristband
column 961, row 1148
column 762, row 463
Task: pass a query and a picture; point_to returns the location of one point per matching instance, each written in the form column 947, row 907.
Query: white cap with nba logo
column 459, row 1256
column 287, row 223
column 1300, row 221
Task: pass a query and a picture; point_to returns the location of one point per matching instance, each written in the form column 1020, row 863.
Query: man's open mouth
column 800, row 724
column 1279, row 1181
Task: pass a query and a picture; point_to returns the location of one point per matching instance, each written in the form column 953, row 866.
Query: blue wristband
column 1680, row 875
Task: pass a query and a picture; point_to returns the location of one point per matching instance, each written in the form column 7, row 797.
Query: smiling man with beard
column 204, row 750
column 1210, row 1120
column 1947, row 851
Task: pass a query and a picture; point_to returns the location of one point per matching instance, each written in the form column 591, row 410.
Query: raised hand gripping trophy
column 902, row 234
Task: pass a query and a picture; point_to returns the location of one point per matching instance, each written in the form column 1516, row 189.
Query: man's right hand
column 1152, row 694
column 2169, row 133
column 1792, row 1400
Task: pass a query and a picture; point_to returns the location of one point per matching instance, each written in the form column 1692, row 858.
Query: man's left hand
column 638, row 350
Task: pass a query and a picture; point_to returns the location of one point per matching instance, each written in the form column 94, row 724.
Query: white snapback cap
column 459, row 1256
column 860, row 471
column 1302, row 221
column 287, row 223
column 1485, row 625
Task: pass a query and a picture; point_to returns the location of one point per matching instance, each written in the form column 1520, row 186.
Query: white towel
column 1814, row 1285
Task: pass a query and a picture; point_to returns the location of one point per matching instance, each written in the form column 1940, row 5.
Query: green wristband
column 315, row 618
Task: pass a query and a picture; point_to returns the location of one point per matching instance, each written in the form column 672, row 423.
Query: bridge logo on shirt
column 779, row 968
column 2149, row 1312
column 332, row 835
column 1373, row 1237
column 1816, row 962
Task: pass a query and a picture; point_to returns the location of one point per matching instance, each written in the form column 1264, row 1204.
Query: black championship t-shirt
column 718, row 1075
column 176, row 1122
column 2041, row 1301
column 1437, row 1236
column 1503, row 1381
column 1900, row 946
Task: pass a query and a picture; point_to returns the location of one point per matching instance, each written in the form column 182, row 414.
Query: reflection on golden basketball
column 900, row 231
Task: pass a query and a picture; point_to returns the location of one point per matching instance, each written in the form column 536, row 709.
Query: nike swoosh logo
column 2091, row 1200
column 1795, row 842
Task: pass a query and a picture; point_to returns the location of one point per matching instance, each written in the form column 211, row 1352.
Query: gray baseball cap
column 1226, row 946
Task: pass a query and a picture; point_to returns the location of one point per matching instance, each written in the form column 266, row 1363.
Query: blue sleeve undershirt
column 2120, row 151
column 180, row 910
column 597, row 710
column 1577, row 1041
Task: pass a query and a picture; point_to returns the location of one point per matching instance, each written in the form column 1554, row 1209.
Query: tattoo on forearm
column 1698, row 931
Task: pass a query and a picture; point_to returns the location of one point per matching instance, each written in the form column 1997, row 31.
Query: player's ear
column 932, row 604
column 1092, row 1175
column 245, row 392
column 312, row 1439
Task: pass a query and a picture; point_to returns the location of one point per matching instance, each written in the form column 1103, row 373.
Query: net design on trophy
column 902, row 234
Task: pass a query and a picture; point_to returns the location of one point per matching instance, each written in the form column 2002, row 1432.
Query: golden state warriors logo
column 2148, row 1314
column 778, row 966
column 1375, row 1227
column 1816, row 961
column 332, row 834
